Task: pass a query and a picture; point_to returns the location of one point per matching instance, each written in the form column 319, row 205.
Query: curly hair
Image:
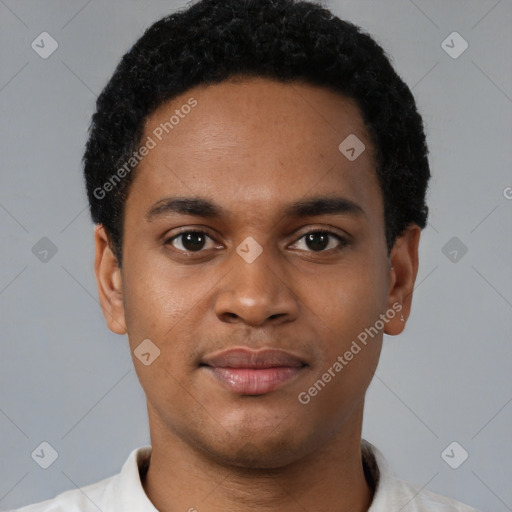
column 285, row 40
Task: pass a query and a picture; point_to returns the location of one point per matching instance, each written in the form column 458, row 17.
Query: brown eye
column 317, row 241
column 320, row 240
column 189, row 241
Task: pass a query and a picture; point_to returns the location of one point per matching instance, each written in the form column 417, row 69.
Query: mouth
column 250, row 372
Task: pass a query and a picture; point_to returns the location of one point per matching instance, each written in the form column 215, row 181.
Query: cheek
column 348, row 301
column 154, row 300
column 338, row 389
column 347, row 307
column 166, row 305
column 159, row 308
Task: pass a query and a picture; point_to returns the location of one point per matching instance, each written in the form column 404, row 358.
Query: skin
column 253, row 147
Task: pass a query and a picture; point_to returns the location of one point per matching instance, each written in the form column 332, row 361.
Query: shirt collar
column 126, row 490
column 127, row 493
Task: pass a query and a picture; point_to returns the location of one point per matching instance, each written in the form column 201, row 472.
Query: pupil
column 193, row 241
column 317, row 241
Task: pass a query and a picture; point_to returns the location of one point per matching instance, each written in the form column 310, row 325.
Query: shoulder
column 85, row 499
column 117, row 493
column 392, row 493
column 414, row 499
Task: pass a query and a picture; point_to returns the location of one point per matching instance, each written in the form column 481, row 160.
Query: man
column 257, row 174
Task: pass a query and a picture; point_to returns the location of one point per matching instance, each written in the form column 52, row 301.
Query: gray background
column 67, row 380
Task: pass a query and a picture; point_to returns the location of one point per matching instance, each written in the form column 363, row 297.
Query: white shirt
column 124, row 492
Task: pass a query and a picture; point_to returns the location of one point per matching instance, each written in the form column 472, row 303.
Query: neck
column 331, row 477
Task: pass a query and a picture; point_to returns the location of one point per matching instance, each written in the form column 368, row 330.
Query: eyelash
column 343, row 242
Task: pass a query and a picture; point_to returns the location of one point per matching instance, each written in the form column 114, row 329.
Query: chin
column 251, row 457
column 260, row 452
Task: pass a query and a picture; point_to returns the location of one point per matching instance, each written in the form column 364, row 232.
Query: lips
column 250, row 372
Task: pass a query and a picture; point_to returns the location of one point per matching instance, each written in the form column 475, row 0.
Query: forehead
column 239, row 111
column 255, row 141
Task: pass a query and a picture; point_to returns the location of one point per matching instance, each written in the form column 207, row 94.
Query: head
column 253, row 124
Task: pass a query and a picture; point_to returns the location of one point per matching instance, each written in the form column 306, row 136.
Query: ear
column 109, row 281
column 402, row 276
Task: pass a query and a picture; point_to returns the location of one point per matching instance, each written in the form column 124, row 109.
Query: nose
column 255, row 293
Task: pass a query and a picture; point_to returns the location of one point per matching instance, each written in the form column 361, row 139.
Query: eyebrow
column 200, row 207
column 195, row 206
column 314, row 206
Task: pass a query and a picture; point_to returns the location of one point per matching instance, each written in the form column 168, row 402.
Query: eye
column 321, row 240
column 190, row 241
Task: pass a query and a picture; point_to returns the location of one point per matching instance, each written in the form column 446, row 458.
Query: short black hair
column 285, row 40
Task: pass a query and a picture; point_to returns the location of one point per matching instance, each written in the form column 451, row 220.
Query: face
column 277, row 243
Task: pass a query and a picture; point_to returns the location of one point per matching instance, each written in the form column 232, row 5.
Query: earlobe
column 402, row 276
column 109, row 282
